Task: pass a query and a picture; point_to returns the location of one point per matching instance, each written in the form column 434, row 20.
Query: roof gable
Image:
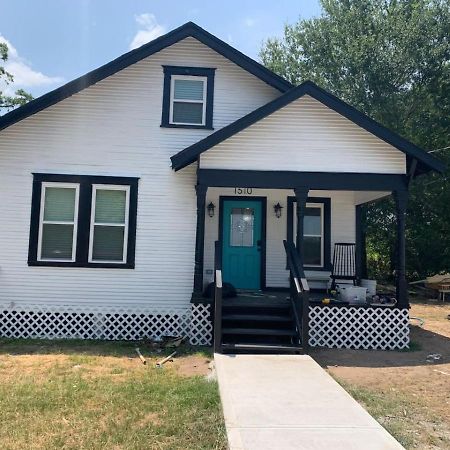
column 189, row 29
column 426, row 162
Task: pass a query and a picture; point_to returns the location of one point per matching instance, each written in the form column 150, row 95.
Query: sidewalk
column 283, row 402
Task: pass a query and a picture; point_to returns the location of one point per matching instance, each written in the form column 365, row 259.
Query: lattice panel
column 201, row 325
column 93, row 323
column 359, row 328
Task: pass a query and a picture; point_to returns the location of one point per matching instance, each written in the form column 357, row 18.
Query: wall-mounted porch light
column 277, row 209
column 210, row 209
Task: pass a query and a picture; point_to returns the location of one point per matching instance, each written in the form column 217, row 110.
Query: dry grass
column 407, row 395
column 94, row 395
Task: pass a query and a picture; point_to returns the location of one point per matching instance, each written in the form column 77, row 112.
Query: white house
column 114, row 188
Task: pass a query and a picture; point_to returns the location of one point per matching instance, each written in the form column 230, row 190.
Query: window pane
column 57, row 241
column 242, row 222
column 108, row 243
column 312, row 251
column 312, row 222
column 188, row 90
column 110, row 206
column 59, row 204
column 187, row 113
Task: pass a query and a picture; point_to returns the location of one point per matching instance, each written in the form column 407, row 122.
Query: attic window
column 188, row 97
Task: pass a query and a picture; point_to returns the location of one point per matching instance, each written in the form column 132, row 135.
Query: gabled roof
column 189, row 29
column 425, row 161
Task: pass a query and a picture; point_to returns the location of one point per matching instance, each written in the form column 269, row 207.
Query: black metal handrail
column 299, row 293
column 217, row 297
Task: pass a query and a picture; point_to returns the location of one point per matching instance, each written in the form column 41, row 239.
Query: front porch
column 270, row 313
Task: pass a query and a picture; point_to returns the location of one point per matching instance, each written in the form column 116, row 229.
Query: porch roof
column 425, row 162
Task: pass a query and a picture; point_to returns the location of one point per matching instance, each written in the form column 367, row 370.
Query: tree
column 7, row 101
column 391, row 60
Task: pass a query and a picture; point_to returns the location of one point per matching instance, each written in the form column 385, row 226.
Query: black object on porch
column 259, row 322
column 344, row 263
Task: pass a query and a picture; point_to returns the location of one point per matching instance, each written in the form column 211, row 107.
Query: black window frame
column 209, row 73
column 326, row 201
column 84, row 219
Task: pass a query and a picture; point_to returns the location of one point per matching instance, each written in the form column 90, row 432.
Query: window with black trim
column 188, row 97
column 316, row 231
column 83, row 221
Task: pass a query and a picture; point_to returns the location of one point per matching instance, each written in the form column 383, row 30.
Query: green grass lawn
column 96, row 395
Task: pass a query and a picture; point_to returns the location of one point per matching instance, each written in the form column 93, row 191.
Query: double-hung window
column 58, row 222
column 188, row 100
column 109, row 223
column 188, row 97
column 83, row 221
column 316, row 231
column 313, row 235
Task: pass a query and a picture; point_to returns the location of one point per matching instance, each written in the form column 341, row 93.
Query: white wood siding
column 113, row 128
column 305, row 136
column 342, row 230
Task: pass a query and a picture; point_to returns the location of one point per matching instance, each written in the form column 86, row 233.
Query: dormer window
column 188, row 97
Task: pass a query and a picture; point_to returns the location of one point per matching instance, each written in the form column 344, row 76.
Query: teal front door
column 241, row 240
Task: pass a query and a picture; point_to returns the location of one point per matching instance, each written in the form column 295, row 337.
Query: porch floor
column 267, row 298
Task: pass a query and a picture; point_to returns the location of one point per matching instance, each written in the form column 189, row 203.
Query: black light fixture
column 210, row 209
column 277, row 209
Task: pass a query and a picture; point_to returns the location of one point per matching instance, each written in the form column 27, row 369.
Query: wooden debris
column 144, row 361
column 159, row 364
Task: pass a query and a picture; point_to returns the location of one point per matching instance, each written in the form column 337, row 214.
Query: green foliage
column 20, row 97
column 391, row 60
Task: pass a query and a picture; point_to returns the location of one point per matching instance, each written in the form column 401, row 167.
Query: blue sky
column 54, row 41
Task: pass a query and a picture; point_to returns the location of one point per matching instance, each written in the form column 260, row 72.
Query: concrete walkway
column 283, row 402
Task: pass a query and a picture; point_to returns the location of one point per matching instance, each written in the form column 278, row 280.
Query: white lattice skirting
column 65, row 322
column 333, row 327
column 359, row 328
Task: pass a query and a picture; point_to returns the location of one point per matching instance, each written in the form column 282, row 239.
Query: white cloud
column 149, row 29
column 23, row 73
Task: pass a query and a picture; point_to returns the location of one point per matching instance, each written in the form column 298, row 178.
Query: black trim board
column 263, row 201
column 191, row 153
column 326, row 201
column 312, row 180
column 189, row 29
column 84, row 216
column 192, row 72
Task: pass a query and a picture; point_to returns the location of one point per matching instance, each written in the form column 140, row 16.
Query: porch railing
column 299, row 294
column 217, row 297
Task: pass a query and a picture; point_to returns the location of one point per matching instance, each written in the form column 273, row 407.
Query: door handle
column 258, row 244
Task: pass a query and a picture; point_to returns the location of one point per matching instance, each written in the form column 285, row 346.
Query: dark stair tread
column 263, row 347
column 257, row 317
column 256, row 305
column 262, row 331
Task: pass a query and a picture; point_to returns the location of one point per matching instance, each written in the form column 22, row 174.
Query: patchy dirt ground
column 418, row 391
column 91, row 359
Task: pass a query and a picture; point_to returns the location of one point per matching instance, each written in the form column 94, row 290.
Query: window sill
column 193, row 127
column 77, row 264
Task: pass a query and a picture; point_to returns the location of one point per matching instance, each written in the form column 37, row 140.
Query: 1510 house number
column 243, row 191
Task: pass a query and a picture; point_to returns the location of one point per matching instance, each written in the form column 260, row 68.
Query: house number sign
column 243, row 191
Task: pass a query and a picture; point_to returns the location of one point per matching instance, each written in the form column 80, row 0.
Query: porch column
column 301, row 195
column 401, row 201
column 361, row 253
column 200, row 190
